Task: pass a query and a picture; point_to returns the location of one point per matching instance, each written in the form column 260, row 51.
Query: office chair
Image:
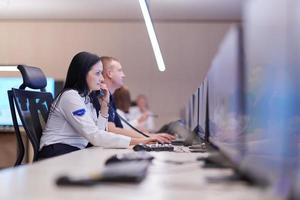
column 32, row 107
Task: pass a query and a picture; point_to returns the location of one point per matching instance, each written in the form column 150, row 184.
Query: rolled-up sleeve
column 101, row 122
column 77, row 115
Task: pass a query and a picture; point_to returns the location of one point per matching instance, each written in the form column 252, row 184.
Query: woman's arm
column 77, row 115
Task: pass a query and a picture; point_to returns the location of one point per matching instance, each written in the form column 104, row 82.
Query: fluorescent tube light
column 152, row 36
column 8, row 68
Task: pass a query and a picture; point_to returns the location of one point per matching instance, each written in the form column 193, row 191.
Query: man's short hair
column 106, row 62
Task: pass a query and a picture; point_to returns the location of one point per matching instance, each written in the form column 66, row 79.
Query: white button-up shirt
column 74, row 121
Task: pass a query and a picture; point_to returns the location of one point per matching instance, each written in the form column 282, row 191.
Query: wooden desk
column 8, row 149
column 164, row 181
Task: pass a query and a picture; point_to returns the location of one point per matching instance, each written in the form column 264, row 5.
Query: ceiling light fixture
column 152, row 36
column 4, row 3
column 8, row 68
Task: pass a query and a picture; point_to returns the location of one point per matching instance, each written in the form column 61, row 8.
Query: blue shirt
column 112, row 111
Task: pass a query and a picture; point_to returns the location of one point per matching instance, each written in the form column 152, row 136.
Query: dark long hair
column 79, row 67
column 122, row 99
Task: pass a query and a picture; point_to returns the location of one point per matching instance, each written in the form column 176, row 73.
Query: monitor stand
column 215, row 160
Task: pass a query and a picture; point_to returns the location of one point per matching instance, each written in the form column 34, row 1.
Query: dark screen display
column 202, row 108
column 226, row 106
column 271, row 95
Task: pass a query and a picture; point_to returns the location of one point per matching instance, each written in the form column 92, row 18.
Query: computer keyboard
column 153, row 147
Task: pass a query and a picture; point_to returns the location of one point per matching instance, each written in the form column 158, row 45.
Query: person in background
column 113, row 77
column 79, row 114
column 141, row 111
column 123, row 101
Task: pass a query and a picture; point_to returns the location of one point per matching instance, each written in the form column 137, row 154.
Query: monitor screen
column 190, row 113
column 226, row 106
column 294, row 52
column 6, row 83
column 202, row 108
column 271, row 95
column 184, row 116
column 194, row 126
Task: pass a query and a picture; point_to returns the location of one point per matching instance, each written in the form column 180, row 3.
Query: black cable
column 126, row 122
column 135, row 129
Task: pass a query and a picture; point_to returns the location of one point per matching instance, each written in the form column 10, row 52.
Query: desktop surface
column 165, row 180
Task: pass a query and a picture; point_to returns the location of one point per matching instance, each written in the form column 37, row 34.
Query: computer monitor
column 202, row 110
column 294, row 12
column 194, row 126
column 184, row 116
column 7, row 83
column 271, row 95
column 225, row 97
column 187, row 112
column 190, row 113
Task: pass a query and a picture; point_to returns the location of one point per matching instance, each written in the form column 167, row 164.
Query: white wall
column 188, row 49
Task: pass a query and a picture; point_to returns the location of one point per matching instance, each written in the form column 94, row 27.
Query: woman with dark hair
column 79, row 114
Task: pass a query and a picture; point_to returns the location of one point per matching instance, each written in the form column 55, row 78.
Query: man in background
column 114, row 78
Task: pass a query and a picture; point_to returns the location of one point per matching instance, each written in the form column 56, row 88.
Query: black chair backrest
column 20, row 144
column 33, row 77
column 33, row 108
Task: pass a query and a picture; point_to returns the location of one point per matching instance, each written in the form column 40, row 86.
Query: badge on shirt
column 79, row 112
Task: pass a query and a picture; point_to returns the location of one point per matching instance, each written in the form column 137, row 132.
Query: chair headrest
column 33, row 77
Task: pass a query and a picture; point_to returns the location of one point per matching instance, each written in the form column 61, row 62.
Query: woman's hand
column 104, row 101
column 153, row 138
column 143, row 117
column 105, row 90
column 149, row 140
column 163, row 137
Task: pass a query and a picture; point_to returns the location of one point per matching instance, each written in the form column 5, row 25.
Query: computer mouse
column 141, row 147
